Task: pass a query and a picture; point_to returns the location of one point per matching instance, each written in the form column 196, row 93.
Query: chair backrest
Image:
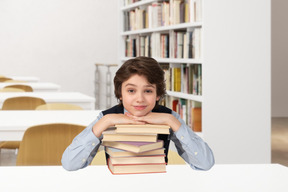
column 26, row 88
column 3, row 79
column 45, row 144
column 58, row 106
column 14, row 81
column 174, row 158
column 8, row 89
column 99, row 159
column 22, row 103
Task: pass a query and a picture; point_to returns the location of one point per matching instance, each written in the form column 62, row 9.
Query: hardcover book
column 146, row 128
column 136, row 169
column 111, row 135
column 136, row 147
column 113, row 152
column 138, row 160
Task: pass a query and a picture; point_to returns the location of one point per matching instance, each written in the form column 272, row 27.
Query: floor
column 279, row 145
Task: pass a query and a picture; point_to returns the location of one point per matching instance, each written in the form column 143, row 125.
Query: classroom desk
column 37, row 87
column 222, row 178
column 85, row 101
column 14, row 123
column 24, row 78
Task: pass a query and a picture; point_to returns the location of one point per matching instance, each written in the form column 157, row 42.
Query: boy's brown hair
column 145, row 66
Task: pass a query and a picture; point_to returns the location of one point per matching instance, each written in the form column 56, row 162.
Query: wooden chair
column 22, row 103
column 19, row 103
column 8, row 89
column 14, row 81
column 58, row 106
column 9, row 144
column 174, row 158
column 99, row 159
column 3, row 79
column 26, row 88
column 45, row 144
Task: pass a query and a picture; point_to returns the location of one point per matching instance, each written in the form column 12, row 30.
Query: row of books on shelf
column 177, row 44
column 129, row 2
column 185, row 78
column 162, row 13
column 134, row 149
column 190, row 111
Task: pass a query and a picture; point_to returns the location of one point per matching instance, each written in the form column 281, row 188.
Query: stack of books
column 135, row 149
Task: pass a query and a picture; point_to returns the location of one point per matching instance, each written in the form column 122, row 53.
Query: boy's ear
column 157, row 98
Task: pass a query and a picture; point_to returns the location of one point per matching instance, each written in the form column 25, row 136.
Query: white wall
column 279, row 58
column 45, row 38
column 237, row 80
column 58, row 40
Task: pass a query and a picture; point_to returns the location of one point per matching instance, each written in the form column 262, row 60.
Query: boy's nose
column 140, row 97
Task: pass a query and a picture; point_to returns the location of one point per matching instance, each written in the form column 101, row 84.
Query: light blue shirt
column 190, row 147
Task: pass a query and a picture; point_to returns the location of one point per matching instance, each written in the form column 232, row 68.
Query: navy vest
column 157, row 109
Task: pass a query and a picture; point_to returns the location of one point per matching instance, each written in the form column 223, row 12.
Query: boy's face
column 138, row 95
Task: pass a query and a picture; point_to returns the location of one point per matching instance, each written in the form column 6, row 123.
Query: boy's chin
column 140, row 114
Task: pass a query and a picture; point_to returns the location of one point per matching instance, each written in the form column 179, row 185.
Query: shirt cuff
column 91, row 141
column 182, row 135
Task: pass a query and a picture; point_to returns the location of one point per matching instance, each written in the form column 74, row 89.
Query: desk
column 24, row 78
column 37, row 87
column 14, row 123
column 222, row 178
column 85, row 101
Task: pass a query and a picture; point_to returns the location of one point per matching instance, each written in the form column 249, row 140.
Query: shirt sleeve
column 82, row 150
column 191, row 147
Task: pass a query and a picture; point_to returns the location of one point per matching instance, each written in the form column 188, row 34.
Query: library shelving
column 170, row 32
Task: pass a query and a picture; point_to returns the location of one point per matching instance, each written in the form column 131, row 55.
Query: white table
column 85, row 101
column 36, row 86
column 222, row 178
column 14, row 123
column 24, row 78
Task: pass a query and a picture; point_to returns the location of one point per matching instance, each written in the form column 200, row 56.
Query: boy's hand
column 111, row 120
column 158, row 118
column 114, row 119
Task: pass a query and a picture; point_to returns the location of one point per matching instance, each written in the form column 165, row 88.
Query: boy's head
column 143, row 66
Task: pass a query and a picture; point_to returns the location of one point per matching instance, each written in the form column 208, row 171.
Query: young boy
column 139, row 85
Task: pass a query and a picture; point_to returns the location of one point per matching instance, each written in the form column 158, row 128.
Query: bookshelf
column 235, row 72
column 170, row 32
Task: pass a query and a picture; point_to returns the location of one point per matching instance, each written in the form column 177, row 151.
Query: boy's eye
column 130, row 90
column 149, row 91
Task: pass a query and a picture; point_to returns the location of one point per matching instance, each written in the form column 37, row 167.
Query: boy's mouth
column 142, row 107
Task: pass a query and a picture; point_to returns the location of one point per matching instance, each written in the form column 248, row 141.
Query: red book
column 174, row 105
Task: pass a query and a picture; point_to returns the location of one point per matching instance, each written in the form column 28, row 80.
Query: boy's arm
column 191, row 147
column 82, row 150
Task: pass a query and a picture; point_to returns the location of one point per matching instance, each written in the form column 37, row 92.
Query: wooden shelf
column 134, row 5
column 171, row 60
column 185, row 96
column 163, row 28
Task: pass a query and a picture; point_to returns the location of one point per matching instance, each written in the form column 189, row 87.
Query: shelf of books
column 170, row 32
